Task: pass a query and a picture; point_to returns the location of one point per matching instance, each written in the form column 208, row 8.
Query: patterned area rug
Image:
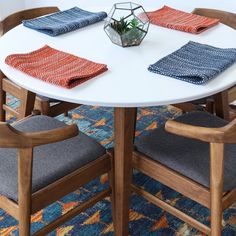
column 145, row 218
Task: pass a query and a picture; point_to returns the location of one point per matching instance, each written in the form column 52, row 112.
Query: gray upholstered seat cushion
column 187, row 156
column 51, row 161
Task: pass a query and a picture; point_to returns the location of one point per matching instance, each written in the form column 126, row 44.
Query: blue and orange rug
column 145, row 218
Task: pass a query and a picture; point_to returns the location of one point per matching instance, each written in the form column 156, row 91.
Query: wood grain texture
column 16, row 18
column 25, row 161
column 213, row 198
column 2, row 98
column 18, row 139
column 70, row 183
column 165, row 175
column 216, row 186
column 222, row 105
column 124, row 131
column 9, row 206
column 225, row 134
column 172, row 210
column 227, row 18
column 28, row 202
column 72, row 213
column 229, row 199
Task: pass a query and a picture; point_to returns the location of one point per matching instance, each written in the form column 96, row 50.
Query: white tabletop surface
column 127, row 83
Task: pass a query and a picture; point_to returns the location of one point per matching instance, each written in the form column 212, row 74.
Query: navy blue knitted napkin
column 64, row 21
column 195, row 63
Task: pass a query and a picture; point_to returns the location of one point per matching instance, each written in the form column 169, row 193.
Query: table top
column 127, row 83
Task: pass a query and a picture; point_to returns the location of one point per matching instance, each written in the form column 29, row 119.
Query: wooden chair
column 225, row 17
column 47, row 106
column 228, row 19
column 42, row 160
column 194, row 155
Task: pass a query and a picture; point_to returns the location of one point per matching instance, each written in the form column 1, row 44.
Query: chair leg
column 2, row 99
column 216, row 186
column 210, row 106
column 222, row 105
column 135, row 122
column 42, row 106
column 24, row 188
column 24, row 222
column 112, row 186
column 2, row 102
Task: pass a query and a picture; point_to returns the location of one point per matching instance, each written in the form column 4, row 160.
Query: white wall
column 7, row 7
column 229, row 5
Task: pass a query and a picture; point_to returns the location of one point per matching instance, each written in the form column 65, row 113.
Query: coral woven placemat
column 179, row 20
column 56, row 67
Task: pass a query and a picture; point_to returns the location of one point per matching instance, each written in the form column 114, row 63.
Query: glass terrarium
column 127, row 24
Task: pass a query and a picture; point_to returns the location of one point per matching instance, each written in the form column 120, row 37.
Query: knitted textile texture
column 179, row 20
column 195, row 63
column 56, row 67
column 64, row 21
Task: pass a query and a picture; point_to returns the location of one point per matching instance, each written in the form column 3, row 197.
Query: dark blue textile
column 195, row 63
column 64, row 21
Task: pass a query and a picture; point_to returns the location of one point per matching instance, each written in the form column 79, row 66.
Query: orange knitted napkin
column 179, row 20
column 56, row 67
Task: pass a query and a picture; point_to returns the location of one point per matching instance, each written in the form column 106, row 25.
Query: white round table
column 126, row 85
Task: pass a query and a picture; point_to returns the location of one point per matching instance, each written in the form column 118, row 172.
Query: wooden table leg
column 222, row 104
column 124, row 131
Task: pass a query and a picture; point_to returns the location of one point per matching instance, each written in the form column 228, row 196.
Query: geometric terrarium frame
column 127, row 24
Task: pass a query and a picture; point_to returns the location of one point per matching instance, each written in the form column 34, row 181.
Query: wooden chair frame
column 26, row 98
column 214, row 198
column 212, row 105
column 227, row 18
column 28, row 101
column 28, row 202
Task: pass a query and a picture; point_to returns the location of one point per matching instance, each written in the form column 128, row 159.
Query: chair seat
column 51, row 162
column 188, row 156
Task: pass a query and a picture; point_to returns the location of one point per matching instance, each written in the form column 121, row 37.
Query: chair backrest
column 227, row 18
column 27, row 98
column 15, row 19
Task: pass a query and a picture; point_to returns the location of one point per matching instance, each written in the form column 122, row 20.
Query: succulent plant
column 123, row 26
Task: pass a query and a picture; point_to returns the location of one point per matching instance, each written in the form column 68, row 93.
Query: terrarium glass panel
column 127, row 24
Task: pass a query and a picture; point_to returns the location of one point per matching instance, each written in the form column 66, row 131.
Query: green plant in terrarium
column 121, row 26
column 134, row 23
column 130, row 31
column 127, row 24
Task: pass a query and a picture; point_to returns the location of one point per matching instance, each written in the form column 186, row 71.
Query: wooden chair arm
column 227, row 18
column 1, row 29
column 225, row 134
column 12, row 138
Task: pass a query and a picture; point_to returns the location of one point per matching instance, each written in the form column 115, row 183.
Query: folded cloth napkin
column 195, row 63
column 56, row 67
column 64, row 21
column 179, row 20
